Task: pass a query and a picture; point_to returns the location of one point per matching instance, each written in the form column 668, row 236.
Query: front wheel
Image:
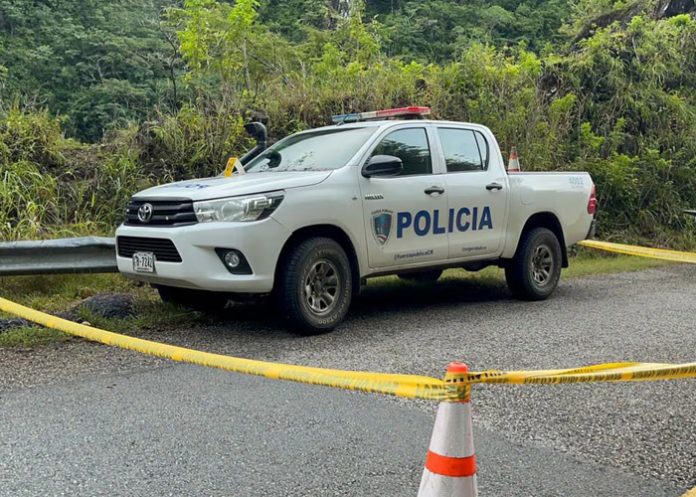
column 534, row 272
column 315, row 286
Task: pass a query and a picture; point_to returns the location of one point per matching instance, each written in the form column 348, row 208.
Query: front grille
column 164, row 249
column 165, row 212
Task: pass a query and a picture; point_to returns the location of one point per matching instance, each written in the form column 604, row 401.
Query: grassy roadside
column 62, row 292
column 59, row 293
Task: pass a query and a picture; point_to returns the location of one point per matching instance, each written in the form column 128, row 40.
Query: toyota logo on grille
column 145, row 213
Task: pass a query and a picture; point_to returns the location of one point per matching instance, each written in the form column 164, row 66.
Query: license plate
column 144, row 262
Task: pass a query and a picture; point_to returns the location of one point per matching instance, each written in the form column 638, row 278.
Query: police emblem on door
column 381, row 225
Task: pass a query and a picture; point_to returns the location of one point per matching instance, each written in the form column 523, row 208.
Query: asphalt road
column 82, row 419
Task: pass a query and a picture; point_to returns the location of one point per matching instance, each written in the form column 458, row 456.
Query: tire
column 534, row 272
column 430, row 276
column 199, row 300
column 313, row 272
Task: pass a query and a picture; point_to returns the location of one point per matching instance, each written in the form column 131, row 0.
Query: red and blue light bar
column 381, row 114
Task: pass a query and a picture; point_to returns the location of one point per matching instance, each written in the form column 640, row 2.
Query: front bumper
column 200, row 266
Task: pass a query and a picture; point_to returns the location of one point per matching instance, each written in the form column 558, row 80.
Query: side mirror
column 382, row 165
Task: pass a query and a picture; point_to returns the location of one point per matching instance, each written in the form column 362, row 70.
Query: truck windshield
column 314, row 151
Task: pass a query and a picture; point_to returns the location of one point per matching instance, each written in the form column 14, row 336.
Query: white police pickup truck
column 320, row 211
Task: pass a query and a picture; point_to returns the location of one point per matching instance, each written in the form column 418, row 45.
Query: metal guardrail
column 90, row 254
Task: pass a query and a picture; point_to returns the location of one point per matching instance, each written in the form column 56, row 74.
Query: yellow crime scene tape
column 452, row 387
column 411, row 386
column 652, row 253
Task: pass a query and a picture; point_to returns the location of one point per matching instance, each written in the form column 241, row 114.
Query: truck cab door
column 476, row 194
column 403, row 214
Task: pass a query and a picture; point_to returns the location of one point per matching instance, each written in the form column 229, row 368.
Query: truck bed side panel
column 564, row 195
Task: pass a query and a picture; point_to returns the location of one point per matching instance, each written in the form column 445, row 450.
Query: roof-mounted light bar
column 382, row 114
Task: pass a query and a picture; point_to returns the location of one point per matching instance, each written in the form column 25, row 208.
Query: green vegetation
column 100, row 100
column 589, row 262
column 31, row 336
column 58, row 293
column 101, row 65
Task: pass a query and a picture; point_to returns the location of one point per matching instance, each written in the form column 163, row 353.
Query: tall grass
column 51, row 186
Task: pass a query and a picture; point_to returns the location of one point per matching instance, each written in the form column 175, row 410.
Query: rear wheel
column 534, row 272
column 430, row 276
column 315, row 287
column 199, row 300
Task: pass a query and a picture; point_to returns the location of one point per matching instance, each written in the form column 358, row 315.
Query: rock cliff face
column 670, row 8
column 663, row 9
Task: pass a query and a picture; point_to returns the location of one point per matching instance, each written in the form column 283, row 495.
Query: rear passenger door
column 476, row 196
column 402, row 213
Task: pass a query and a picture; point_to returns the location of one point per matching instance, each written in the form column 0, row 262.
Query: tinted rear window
column 460, row 150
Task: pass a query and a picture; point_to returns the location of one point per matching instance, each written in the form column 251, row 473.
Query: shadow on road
column 406, row 297
column 395, row 299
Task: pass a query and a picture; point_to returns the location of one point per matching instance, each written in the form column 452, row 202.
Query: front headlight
column 239, row 209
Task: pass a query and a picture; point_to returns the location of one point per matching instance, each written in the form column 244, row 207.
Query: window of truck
column 461, row 150
column 315, row 151
column 411, row 146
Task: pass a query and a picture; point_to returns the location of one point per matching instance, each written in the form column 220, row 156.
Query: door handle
column 435, row 190
column 494, row 186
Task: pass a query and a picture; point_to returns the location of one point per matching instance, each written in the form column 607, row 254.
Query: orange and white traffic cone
column 513, row 161
column 450, row 467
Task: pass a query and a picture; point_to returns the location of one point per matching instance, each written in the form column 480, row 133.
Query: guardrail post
column 450, row 466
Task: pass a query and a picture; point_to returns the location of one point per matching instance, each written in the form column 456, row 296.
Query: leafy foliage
column 27, row 193
column 101, row 64
column 190, row 143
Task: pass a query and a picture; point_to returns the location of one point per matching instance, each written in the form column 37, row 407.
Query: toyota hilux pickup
column 310, row 218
